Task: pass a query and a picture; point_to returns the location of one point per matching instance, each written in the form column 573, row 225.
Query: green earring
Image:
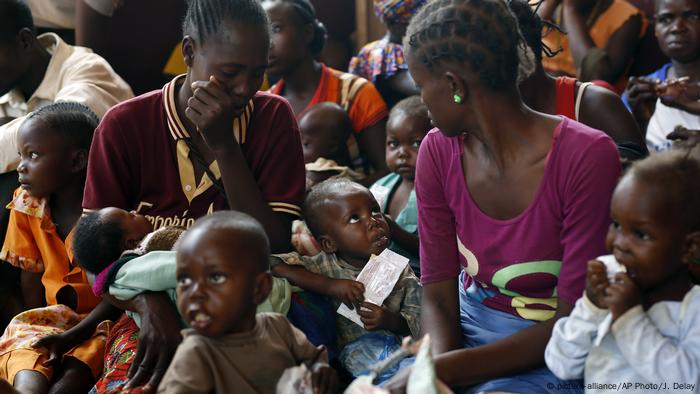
column 457, row 98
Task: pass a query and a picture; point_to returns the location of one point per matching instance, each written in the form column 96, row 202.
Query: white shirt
column 663, row 121
column 657, row 351
column 61, row 13
column 74, row 74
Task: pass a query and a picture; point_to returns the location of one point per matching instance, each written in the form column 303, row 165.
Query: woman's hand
column 212, row 109
column 622, row 295
column 596, row 283
column 350, row 292
column 324, row 379
column 158, row 340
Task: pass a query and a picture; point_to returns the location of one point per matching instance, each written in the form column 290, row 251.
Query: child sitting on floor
column 350, row 227
column 36, row 355
column 408, row 124
column 223, row 275
column 653, row 308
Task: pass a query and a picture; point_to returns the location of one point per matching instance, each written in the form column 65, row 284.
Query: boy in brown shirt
column 223, row 274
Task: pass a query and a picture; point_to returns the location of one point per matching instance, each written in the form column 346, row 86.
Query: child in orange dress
column 37, row 352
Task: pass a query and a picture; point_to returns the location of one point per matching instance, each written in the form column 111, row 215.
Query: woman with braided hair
column 512, row 203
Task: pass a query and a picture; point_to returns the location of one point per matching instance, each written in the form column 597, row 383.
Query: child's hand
column 57, row 346
column 596, row 283
column 212, row 110
column 622, row 295
column 376, row 317
column 324, row 379
column 350, row 292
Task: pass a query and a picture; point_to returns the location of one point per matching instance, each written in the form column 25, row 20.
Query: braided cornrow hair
column 306, row 14
column 74, row 122
column 531, row 27
column 204, row 17
column 482, row 33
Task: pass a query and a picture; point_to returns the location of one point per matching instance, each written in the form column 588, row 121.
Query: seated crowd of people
column 488, row 200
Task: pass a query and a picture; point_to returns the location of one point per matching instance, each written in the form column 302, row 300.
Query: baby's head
column 223, row 273
column 100, row 237
column 655, row 210
column 325, row 130
column 53, row 144
column 346, row 220
column 407, row 125
column 677, row 29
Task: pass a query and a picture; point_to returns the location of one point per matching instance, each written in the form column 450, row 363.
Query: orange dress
column 33, row 244
column 607, row 23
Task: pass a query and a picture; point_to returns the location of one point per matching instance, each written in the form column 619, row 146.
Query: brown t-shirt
column 249, row 362
column 139, row 159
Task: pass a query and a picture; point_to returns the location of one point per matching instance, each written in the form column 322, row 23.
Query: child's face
column 287, row 45
column 134, row 225
column 236, row 56
column 319, row 137
column 645, row 235
column 404, row 134
column 46, row 160
column 218, row 287
column 677, row 29
column 354, row 225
